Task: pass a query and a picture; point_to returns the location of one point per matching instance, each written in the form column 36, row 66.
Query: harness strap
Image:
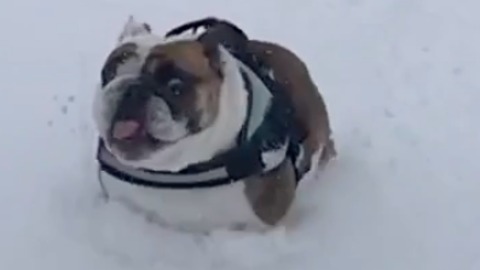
column 109, row 164
column 266, row 140
column 238, row 167
column 245, row 160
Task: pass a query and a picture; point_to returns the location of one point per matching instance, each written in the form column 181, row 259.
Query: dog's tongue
column 126, row 129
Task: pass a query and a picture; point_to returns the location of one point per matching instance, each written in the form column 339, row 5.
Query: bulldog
column 207, row 129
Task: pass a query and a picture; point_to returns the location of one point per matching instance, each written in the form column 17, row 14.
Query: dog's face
column 155, row 93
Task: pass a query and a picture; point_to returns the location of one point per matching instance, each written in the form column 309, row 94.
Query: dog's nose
column 133, row 102
column 136, row 94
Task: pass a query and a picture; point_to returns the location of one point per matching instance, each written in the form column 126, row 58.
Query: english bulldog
column 208, row 129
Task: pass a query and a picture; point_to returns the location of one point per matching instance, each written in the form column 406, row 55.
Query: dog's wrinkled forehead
column 138, row 49
column 188, row 56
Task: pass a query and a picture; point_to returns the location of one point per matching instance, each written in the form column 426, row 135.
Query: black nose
column 133, row 102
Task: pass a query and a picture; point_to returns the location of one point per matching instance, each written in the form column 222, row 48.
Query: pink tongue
column 126, row 129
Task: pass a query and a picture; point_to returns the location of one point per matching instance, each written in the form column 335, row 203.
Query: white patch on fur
column 315, row 164
column 132, row 28
column 130, row 66
column 301, row 156
column 161, row 123
column 194, row 210
column 274, row 157
column 213, row 140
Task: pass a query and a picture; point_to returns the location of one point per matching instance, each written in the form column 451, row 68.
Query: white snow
column 401, row 82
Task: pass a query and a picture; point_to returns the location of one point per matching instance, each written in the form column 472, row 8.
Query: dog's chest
column 192, row 209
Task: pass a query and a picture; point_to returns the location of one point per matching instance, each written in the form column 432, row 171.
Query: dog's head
column 156, row 92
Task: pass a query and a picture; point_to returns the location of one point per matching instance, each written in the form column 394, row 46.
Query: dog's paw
column 133, row 28
column 329, row 153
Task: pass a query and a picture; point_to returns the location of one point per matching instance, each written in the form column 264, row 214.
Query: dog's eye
column 176, row 86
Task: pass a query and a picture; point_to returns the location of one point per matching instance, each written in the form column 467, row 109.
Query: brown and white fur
column 199, row 124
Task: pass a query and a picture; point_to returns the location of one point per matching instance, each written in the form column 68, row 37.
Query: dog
column 173, row 108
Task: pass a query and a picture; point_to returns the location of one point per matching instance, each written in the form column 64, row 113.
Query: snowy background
column 400, row 78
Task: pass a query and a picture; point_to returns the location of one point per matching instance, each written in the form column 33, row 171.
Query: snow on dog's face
column 156, row 92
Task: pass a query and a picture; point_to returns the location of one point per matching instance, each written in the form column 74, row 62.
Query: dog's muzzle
column 134, row 98
column 130, row 114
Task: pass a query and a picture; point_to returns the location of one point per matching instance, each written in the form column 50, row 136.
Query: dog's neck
column 219, row 137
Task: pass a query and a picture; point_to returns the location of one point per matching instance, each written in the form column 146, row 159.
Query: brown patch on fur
column 311, row 111
column 272, row 195
column 193, row 58
column 187, row 55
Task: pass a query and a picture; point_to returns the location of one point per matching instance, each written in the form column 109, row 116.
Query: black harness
column 273, row 133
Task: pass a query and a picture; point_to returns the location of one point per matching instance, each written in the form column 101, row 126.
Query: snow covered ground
column 400, row 78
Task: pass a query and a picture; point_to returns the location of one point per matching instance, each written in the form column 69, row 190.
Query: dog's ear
column 133, row 28
column 226, row 34
column 212, row 52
